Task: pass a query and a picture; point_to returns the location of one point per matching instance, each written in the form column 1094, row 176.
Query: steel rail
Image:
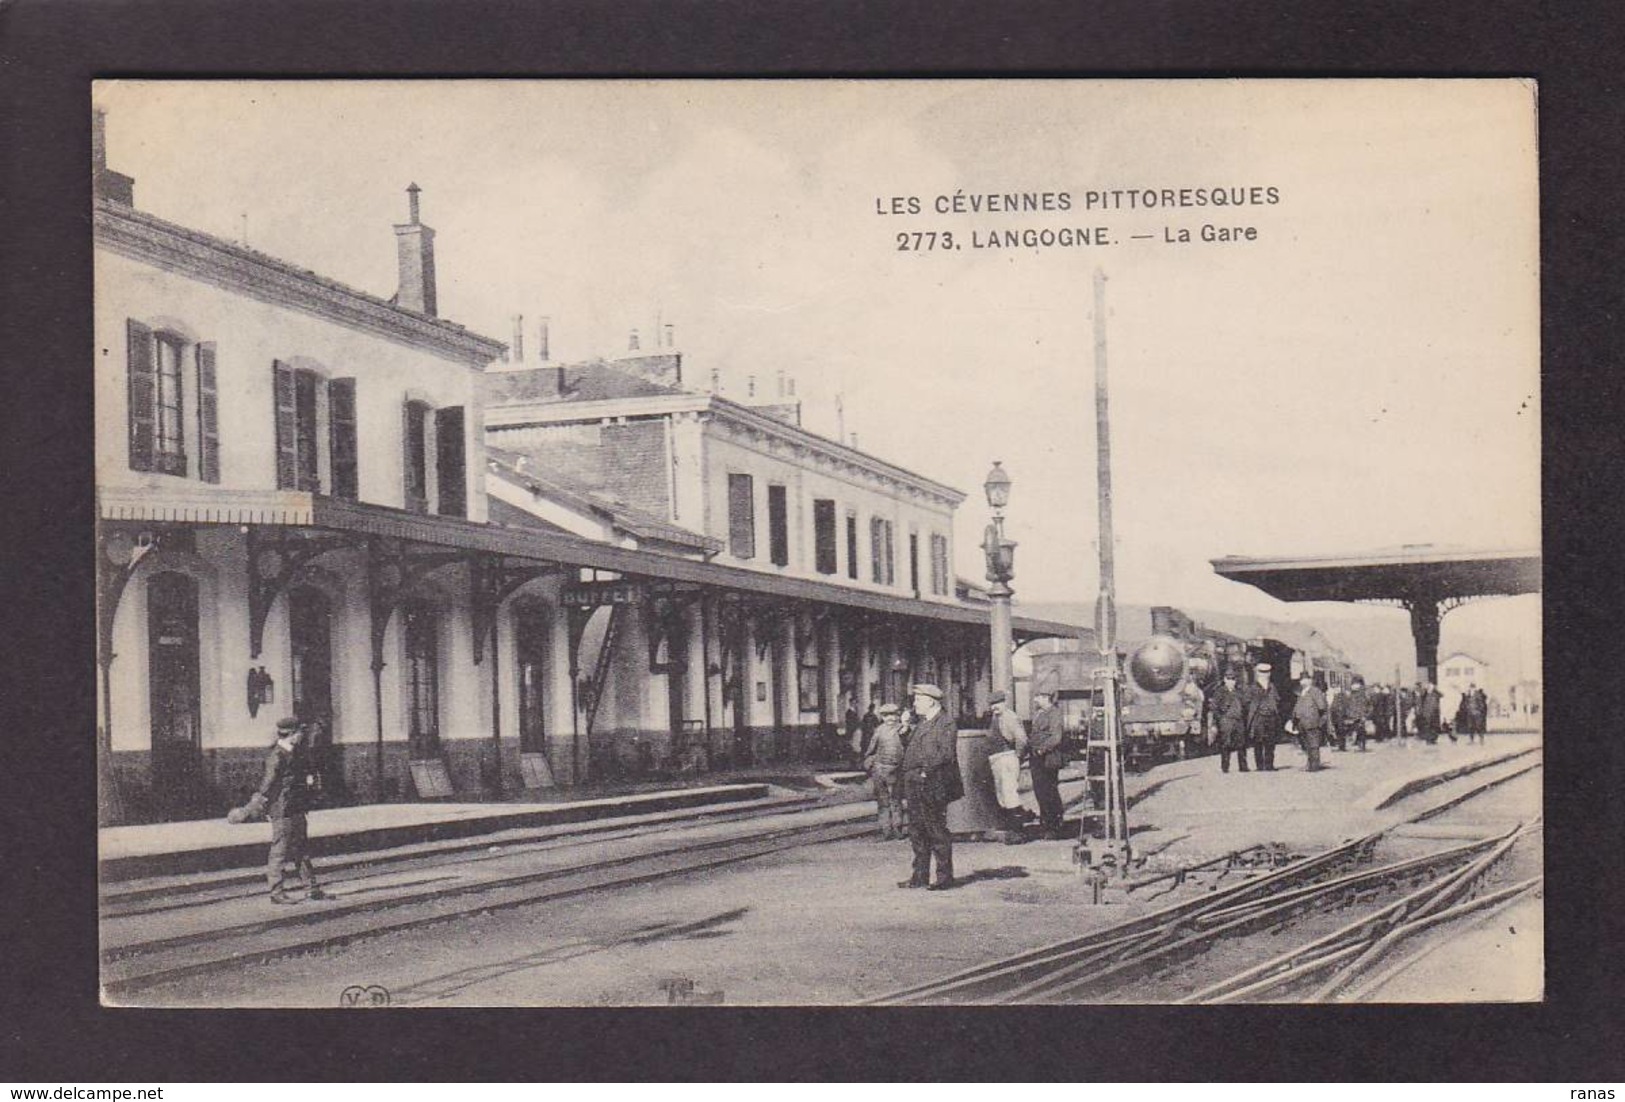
column 1056, row 964
column 348, row 925
column 351, row 868
column 1489, row 901
column 1341, row 944
column 1448, row 892
column 1153, row 924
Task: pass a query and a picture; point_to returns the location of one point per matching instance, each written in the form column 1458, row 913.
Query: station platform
column 1189, row 812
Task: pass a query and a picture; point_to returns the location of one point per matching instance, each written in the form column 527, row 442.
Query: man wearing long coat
column 1263, row 718
column 1311, row 715
column 1227, row 718
column 931, row 782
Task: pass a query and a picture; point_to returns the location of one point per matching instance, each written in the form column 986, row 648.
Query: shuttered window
column 852, row 545
column 450, row 465
column 877, row 549
column 169, row 432
column 414, row 457
column 778, row 526
column 891, row 555
column 143, row 388
column 295, row 392
column 914, row 563
column 742, row 515
column 341, row 439
column 208, row 415
column 824, row 535
column 304, row 385
column 940, row 576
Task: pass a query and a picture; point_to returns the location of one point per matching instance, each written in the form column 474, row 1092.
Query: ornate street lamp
column 1001, row 567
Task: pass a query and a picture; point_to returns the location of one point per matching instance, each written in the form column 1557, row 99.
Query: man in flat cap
column 931, row 782
column 283, row 797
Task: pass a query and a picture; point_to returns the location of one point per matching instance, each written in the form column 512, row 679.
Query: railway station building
column 321, row 502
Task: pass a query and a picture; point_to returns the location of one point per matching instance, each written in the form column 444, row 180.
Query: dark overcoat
column 1228, row 709
column 933, row 756
column 1263, row 714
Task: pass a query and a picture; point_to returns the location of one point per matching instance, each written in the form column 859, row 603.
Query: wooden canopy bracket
column 393, row 572
column 274, row 559
column 495, row 579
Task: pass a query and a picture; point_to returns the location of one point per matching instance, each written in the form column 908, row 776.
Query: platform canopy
column 1428, row 580
column 1415, row 571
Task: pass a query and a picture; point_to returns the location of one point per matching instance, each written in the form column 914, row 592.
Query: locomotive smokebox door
column 1157, row 665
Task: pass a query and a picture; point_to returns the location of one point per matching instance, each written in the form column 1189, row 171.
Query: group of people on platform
column 912, row 757
column 1245, row 713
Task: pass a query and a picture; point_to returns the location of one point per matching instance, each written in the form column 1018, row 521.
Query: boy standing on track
column 283, row 796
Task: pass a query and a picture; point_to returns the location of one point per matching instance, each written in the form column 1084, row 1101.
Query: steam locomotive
column 1172, row 663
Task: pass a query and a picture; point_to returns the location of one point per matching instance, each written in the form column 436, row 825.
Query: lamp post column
column 1001, row 555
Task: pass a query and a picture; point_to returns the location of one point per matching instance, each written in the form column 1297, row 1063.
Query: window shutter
column 143, row 395
column 891, row 556
column 208, row 415
column 414, row 471
column 742, row 515
column 450, row 465
column 341, row 438
column 304, row 389
column 778, row 526
column 824, row 535
column 287, row 442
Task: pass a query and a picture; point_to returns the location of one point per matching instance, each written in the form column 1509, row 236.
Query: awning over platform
column 1421, row 572
column 315, row 511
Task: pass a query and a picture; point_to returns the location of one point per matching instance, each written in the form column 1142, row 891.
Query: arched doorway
column 530, row 653
column 172, row 679
column 310, row 635
column 420, row 628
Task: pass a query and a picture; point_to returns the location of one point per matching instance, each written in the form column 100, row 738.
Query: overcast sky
column 1365, row 373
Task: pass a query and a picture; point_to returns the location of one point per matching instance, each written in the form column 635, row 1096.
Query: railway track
column 144, row 962
column 1117, row 962
column 177, row 893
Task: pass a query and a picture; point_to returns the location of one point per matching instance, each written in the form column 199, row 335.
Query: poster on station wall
column 1180, row 437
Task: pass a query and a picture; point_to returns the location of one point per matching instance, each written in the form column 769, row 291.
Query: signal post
column 1110, row 850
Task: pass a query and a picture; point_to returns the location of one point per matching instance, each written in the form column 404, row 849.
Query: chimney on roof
column 414, row 248
column 105, row 183
column 632, row 342
column 750, row 387
column 716, row 381
column 542, row 354
column 516, row 354
column 854, row 441
column 671, row 335
column 792, row 384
